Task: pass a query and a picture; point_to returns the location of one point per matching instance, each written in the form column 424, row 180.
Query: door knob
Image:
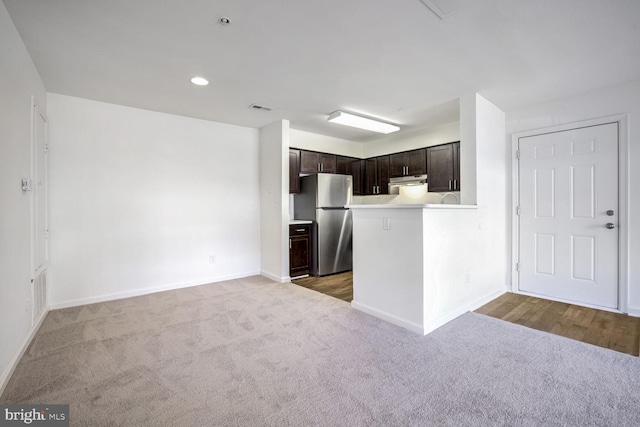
column 610, row 225
column 610, row 212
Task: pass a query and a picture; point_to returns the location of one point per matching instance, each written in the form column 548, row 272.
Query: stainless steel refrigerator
column 322, row 199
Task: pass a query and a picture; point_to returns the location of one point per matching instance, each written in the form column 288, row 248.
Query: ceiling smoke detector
column 224, row 21
column 260, row 107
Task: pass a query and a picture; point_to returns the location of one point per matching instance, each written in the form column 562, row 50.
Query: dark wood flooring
column 336, row 285
column 602, row 328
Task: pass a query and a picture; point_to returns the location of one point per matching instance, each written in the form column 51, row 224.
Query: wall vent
column 39, row 296
column 260, row 107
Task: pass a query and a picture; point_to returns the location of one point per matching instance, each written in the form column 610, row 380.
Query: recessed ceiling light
column 200, row 81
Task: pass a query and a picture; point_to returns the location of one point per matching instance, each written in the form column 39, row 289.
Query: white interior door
column 568, row 199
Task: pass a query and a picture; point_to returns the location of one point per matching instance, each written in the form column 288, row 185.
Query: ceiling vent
column 260, row 107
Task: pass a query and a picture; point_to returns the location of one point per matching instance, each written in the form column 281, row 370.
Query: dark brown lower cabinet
column 299, row 249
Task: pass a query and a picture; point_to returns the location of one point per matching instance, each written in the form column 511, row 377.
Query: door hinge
column 517, row 210
column 518, row 154
column 517, row 266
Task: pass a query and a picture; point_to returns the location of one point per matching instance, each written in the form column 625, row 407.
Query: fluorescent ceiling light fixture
column 360, row 122
column 200, row 81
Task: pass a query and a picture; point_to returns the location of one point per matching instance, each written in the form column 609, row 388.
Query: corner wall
column 19, row 80
column 140, row 200
column 274, row 200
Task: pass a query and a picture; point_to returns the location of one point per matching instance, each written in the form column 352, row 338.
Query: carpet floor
column 252, row 352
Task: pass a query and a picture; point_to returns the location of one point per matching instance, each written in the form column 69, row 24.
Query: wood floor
column 336, row 285
column 602, row 328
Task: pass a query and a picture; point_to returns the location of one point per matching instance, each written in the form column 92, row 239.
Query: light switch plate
column 26, row 184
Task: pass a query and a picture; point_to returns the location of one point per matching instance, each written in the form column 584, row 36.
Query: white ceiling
column 393, row 59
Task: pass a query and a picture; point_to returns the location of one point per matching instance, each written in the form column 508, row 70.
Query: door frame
column 622, row 120
column 35, row 110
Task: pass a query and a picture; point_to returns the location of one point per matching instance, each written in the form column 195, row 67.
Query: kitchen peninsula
column 416, row 265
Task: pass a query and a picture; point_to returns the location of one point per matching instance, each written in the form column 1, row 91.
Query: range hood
column 406, row 181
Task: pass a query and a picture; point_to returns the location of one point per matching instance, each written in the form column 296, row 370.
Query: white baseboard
column 432, row 325
column 275, row 278
column 635, row 312
column 149, row 290
column 442, row 320
column 413, row 327
column 8, row 372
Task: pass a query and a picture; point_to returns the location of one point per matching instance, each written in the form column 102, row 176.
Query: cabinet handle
column 319, row 168
column 289, row 243
column 450, row 187
column 299, row 229
column 455, row 184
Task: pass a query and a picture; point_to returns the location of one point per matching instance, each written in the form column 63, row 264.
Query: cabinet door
column 327, row 163
column 294, row 171
column 309, row 162
column 456, row 166
column 299, row 260
column 397, row 164
column 417, row 162
column 370, row 176
column 440, row 168
column 383, row 174
column 357, row 172
column 344, row 165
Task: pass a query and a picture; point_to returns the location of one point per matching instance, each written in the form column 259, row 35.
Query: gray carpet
column 252, row 352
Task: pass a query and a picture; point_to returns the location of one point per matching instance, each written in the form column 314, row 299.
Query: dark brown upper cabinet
column 343, row 165
column 408, row 163
column 313, row 162
column 358, row 174
column 377, row 175
column 294, row 171
column 443, row 167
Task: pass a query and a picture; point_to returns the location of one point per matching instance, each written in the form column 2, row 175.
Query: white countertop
column 300, row 221
column 412, row 206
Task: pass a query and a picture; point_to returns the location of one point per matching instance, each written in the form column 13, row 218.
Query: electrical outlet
column 212, row 259
column 386, row 223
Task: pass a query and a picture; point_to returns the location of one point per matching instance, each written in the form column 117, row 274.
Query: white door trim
column 623, row 189
column 35, row 109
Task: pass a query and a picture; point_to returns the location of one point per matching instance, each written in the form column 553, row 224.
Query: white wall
column 19, row 80
column 274, row 200
column 323, row 143
column 600, row 103
column 394, row 143
column 140, row 200
column 492, row 194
